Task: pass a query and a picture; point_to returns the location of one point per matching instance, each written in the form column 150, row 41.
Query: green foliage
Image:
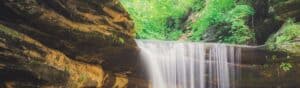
column 121, row 40
column 212, row 13
column 152, row 17
column 286, row 34
column 240, row 32
column 174, row 35
column 198, row 5
column 290, row 30
column 161, row 19
column 286, row 66
column 224, row 11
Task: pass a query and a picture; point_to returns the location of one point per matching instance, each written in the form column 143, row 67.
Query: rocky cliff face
column 270, row 16
column 65, row 43
column 286, row 39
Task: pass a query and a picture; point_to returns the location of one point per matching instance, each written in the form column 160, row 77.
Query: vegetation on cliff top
column 287, row 39
column 287, row 33
column 171, row 19
column 151, row 17
column 224, row 11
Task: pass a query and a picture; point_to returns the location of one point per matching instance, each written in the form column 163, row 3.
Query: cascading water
column 190, row 65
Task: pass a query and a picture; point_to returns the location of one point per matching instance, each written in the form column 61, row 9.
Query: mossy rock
column 286, row 40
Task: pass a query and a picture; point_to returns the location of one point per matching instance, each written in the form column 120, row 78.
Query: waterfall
column 190, row 65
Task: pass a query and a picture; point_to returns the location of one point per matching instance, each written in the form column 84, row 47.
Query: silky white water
column 190, row 65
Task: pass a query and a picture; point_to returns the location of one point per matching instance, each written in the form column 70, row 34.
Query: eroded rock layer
column 65, row 43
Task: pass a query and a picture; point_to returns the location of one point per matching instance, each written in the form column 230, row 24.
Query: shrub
column 151, row 17
column 161, row 19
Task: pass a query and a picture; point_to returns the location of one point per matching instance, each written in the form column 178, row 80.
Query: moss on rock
column 286, row 40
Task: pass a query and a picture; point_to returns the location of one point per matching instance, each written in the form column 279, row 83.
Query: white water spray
column 190, row 65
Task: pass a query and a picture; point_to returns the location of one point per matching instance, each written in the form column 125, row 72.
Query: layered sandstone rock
column 65, row 43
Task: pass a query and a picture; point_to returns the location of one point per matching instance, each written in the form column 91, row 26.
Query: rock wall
column 65, row 43
column 286, row 39
column 270, row 16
